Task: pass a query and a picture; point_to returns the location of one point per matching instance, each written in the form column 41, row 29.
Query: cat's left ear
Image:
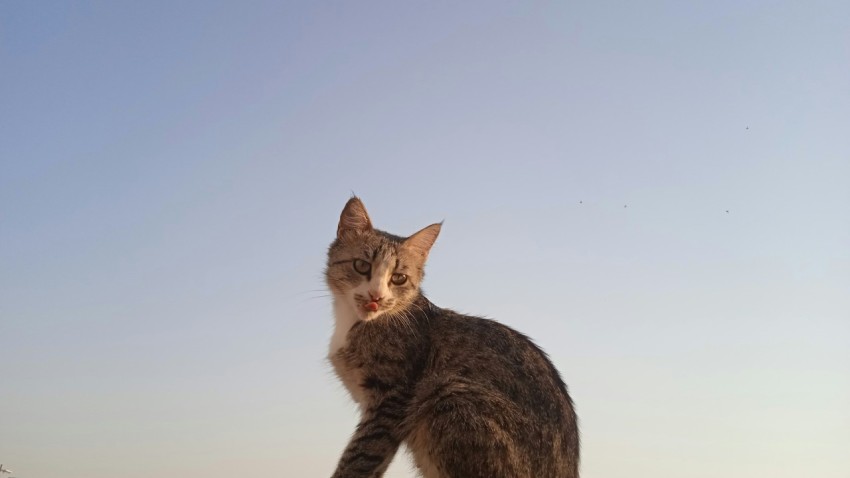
column 421, row 242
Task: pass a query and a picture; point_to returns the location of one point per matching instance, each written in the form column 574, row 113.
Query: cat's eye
column 398, row 279
column 362, row 266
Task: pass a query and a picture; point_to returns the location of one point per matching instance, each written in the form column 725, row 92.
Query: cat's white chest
column 344, row 319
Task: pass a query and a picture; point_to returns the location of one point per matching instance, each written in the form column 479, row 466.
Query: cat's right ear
column 354, row 218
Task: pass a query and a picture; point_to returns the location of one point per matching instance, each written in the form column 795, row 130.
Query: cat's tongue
column 373, row 306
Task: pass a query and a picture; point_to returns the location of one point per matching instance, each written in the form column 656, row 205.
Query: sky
column 657, row 192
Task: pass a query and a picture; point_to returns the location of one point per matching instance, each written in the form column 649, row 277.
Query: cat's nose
column 375, row 296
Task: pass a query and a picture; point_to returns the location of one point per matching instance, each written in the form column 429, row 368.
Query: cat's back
column 493, row 356
column 489, row 386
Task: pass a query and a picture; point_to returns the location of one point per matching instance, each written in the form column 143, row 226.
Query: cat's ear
column 354, row 218
column 421, row 242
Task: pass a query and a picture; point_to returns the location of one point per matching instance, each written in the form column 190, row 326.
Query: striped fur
column 469, row 397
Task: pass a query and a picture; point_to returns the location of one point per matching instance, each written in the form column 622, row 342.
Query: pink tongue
column 373, row 306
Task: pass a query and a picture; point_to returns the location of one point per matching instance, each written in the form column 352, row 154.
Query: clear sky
column 657, row 192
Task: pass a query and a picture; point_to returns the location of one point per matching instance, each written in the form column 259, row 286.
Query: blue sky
column 171, row 174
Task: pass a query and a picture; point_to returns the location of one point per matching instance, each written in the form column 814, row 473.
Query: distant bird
column 625, row 205
column 581, row 202
column 727, row 211
column 748, row 127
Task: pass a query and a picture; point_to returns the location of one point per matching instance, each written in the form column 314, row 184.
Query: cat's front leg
column 375, row 442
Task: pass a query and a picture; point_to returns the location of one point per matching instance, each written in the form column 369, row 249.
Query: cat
column 468, row 396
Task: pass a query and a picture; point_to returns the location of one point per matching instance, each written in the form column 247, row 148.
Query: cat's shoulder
column 452, row 319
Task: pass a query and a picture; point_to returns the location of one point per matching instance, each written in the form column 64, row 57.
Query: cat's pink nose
column 376, row 297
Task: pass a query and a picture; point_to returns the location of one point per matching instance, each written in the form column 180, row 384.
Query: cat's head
column 374, row 272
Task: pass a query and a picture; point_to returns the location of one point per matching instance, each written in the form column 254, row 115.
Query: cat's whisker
column 324, row 296
column 308, row 291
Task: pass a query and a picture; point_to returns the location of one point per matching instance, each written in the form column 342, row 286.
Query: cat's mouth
column 372, row 306
column 369, row 307
column 370, row 310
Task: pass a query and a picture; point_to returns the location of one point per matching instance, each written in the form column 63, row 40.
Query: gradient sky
column 171, row 174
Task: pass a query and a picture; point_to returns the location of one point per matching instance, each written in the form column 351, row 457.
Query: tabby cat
column 469, row 397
